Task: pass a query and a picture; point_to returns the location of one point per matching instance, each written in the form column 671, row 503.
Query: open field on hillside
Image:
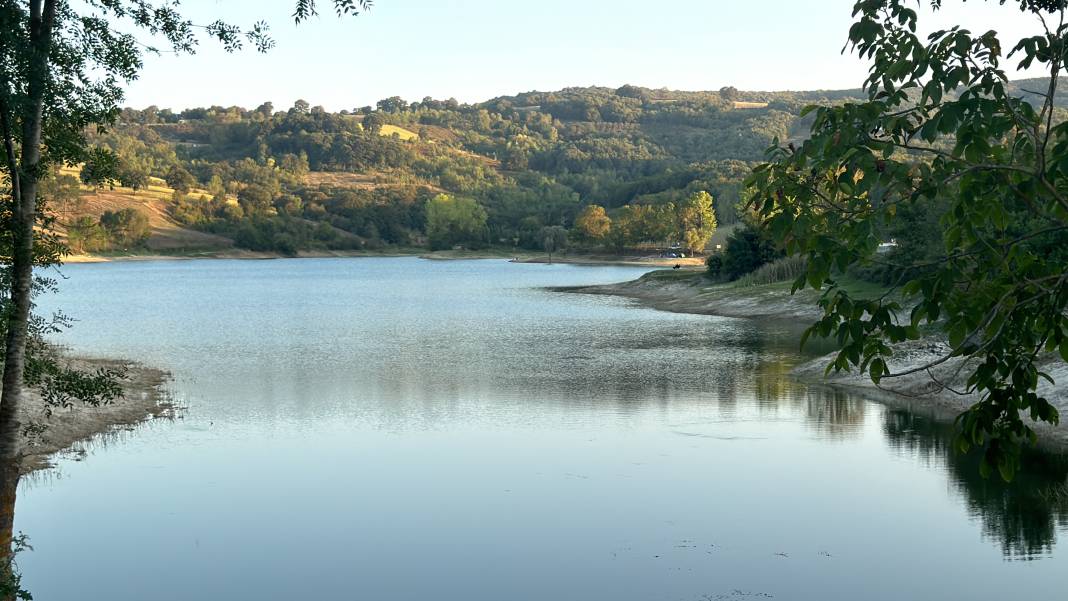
column 359, row 181
column 400, row 132
column 167, row 234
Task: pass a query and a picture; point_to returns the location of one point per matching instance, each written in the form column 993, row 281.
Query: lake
column 397, row 428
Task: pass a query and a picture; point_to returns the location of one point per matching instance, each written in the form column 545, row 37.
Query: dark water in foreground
column 408, row 429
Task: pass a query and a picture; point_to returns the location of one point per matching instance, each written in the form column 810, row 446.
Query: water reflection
column 1022, row 516
column 455, row 420
column 835, row 414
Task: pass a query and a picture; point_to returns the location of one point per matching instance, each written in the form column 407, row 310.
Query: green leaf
column 877, row 369
column 1007, row 468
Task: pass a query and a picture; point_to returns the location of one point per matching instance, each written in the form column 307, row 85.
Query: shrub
column 126, row 227
column 85, row 235
column 747, row 249
column 715, row 265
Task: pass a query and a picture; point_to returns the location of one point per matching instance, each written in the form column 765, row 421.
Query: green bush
column 126, row 227
column 714, row 262
column 747, row 250
column 85, row 235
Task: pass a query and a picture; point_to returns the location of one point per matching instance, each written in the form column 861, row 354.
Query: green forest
column 645, row 162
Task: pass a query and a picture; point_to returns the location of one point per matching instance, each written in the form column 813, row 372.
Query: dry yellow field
column 167, row 234
column 403, row 134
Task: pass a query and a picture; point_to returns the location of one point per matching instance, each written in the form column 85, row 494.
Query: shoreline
column 618, row 260
column 692, row 293
column 687, row 291
column 66, row 430
column 422, row 253
column 250, row 255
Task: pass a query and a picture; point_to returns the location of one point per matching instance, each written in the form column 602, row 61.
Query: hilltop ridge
column 304, row 179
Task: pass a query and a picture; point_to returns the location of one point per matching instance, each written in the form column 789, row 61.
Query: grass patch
column 673, row 275
column 786, row 269
column 744, row 104
column 403, row 134
column 754, row 290
column 784, row 272
column 858, row 288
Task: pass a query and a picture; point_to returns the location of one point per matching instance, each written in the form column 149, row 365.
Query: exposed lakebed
column 394, row 428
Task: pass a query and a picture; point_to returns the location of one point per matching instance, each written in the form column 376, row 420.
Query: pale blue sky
column 474, row 50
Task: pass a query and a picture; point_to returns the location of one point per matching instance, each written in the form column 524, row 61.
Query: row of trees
column 457, row 221
column 689, row 224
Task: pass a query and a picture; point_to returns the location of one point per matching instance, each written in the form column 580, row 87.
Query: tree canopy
column 697, row 221
column 455, row 221
column 593, row 223
column 945, row 135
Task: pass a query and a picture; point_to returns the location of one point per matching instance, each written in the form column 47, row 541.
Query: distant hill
column 304, row 178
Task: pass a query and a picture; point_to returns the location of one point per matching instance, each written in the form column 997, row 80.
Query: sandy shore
column 646, row 261
column 229, row 254
column 935, row 396
column 690, row 292
column 143, row 400
column 443, row 255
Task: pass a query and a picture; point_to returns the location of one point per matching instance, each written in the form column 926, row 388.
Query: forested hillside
column 617, row 168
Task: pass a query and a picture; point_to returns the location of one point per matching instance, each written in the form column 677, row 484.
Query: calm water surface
column 409, row 429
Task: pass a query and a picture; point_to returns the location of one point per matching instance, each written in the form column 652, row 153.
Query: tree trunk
column 14, row 364
column 9, row 483
column 24, row 214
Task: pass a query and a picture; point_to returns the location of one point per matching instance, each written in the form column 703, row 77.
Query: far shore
column 518, row 256
column 67, row 429
column 690, row 292
column 232, row 253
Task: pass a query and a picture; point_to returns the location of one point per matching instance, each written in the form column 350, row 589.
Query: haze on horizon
column 474, row 50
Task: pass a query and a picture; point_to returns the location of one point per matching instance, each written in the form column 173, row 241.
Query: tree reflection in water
column 832, row 414
column 835, row 414
column 1023, row 515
